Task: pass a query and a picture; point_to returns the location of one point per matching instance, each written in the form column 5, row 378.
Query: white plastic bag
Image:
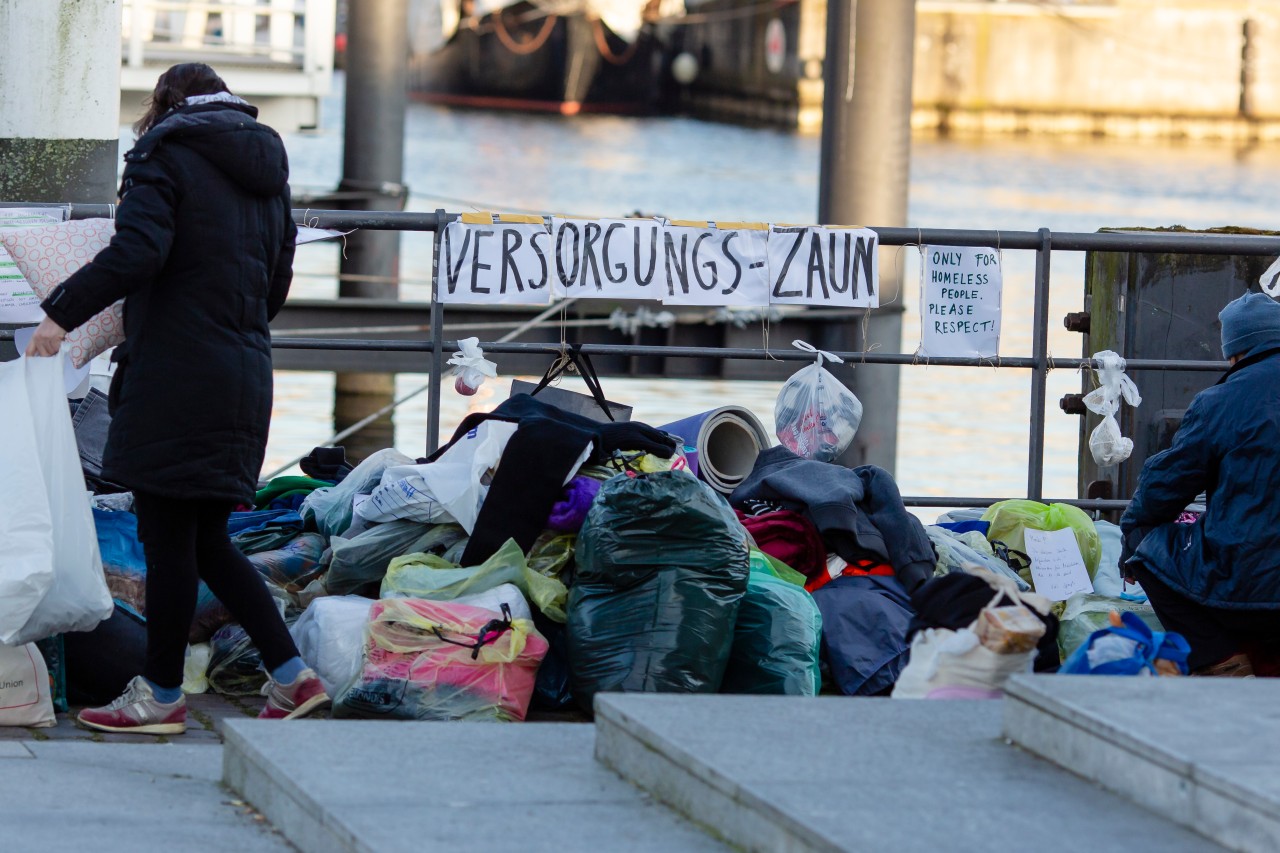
column 942, row 658
column 450, row 489
column 75, row 596
column 331, row 507
column 472, row 367
column 330, row 638
column 816, row 416
column 1106, row 443
column 25, row 695
column 26, row 529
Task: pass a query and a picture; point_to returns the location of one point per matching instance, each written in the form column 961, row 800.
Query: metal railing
column 1043, row 242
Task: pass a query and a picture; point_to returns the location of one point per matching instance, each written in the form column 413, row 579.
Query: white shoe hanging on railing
column 1106, row 443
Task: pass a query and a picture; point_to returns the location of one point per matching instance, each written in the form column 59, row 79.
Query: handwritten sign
column 487, row 258
column 18, row 302
column 607, row 258
column 819, row 265
column 1057, row 569
column 960, row 302
column 496, row 262
column 716, row 264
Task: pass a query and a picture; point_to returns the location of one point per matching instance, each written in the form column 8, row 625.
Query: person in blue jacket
column 1217, row 581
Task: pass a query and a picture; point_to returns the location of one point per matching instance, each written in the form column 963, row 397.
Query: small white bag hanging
column 816, row 416
column 1106, row 443
column 472, row 367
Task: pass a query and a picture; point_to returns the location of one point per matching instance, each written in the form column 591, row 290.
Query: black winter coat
column 203, row 255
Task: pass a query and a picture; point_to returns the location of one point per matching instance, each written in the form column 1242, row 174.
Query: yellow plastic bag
column 1010, row 518
column 428, row 576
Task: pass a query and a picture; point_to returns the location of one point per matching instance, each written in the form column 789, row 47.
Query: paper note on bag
column 1057, row 569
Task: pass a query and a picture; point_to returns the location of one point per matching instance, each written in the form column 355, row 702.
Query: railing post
column 1040, row 371
column 437, row 352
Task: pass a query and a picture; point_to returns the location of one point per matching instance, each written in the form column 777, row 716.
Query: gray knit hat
column 1250, row 323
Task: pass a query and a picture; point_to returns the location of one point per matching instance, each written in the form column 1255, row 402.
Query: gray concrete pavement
column 133, row 798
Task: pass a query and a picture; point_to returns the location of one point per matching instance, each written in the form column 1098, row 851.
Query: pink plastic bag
column 440, row 660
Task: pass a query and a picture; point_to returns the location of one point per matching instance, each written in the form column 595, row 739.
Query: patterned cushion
column 47, row 256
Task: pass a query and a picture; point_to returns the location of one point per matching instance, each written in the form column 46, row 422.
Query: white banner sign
column 960, row 302
column 502, row 263
column 818, row 265
column 711, row 265
column 492, row 259
column 607, row 258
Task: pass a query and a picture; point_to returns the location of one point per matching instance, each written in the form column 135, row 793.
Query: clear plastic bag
column 330, row 638
column 816, row 416
column 440, row 660
column 1106, row 443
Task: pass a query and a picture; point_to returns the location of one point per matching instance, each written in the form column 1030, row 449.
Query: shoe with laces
column 290, row 701
column 139, row 712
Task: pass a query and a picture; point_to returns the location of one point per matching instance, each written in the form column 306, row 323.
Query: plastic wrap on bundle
column 440, row 660
column 427, row 576
column 330, row 638
column 359, row 564
column 776, row 640
column 662, row 566
column 235, row 664
column 330, row 510
column 1009, row 520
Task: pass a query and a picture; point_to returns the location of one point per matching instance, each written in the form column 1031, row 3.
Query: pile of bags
column 543, row 556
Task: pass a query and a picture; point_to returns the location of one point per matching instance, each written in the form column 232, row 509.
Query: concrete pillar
column 59, row 100
column 864, row 180
column 372, row 164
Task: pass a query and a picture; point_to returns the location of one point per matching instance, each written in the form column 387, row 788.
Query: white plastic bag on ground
column 75, row 596
column 816, row 416
column 25, row 698
column 330, row 638
column 1106, row 443
column 331, row 508
column 942, row 658
column 450, row 489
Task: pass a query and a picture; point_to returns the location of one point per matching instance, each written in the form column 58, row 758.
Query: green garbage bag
column 771, row 565
column 358, row 564
column 1010, row 518
column 776, row 640
column 1086, row 612
column 662, row 567
column 432, row 577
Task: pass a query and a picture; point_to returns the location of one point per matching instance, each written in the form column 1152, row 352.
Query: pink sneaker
column 291, row 701
column 138, row 711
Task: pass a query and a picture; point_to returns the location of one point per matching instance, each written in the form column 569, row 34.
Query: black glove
column 634, row 436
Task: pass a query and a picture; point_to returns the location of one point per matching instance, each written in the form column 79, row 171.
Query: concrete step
column 107, row 797
column 835, row 774
column 349, row 785
column 1199, row 751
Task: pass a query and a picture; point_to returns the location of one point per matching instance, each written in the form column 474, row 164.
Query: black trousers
column 186, row 541
column 1214, row 633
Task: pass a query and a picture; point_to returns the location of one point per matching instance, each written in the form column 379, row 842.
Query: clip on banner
column 1106, row 443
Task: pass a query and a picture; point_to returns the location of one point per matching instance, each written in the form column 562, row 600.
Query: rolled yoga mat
column 722, row 445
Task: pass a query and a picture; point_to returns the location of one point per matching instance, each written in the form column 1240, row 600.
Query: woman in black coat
column 203, row 257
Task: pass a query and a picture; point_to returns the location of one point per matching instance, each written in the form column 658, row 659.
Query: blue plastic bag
column 1142, row 647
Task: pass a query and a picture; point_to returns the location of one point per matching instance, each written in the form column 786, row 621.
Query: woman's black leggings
column 185, row 542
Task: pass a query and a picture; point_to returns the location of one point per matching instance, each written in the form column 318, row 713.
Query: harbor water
column 963, row 431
